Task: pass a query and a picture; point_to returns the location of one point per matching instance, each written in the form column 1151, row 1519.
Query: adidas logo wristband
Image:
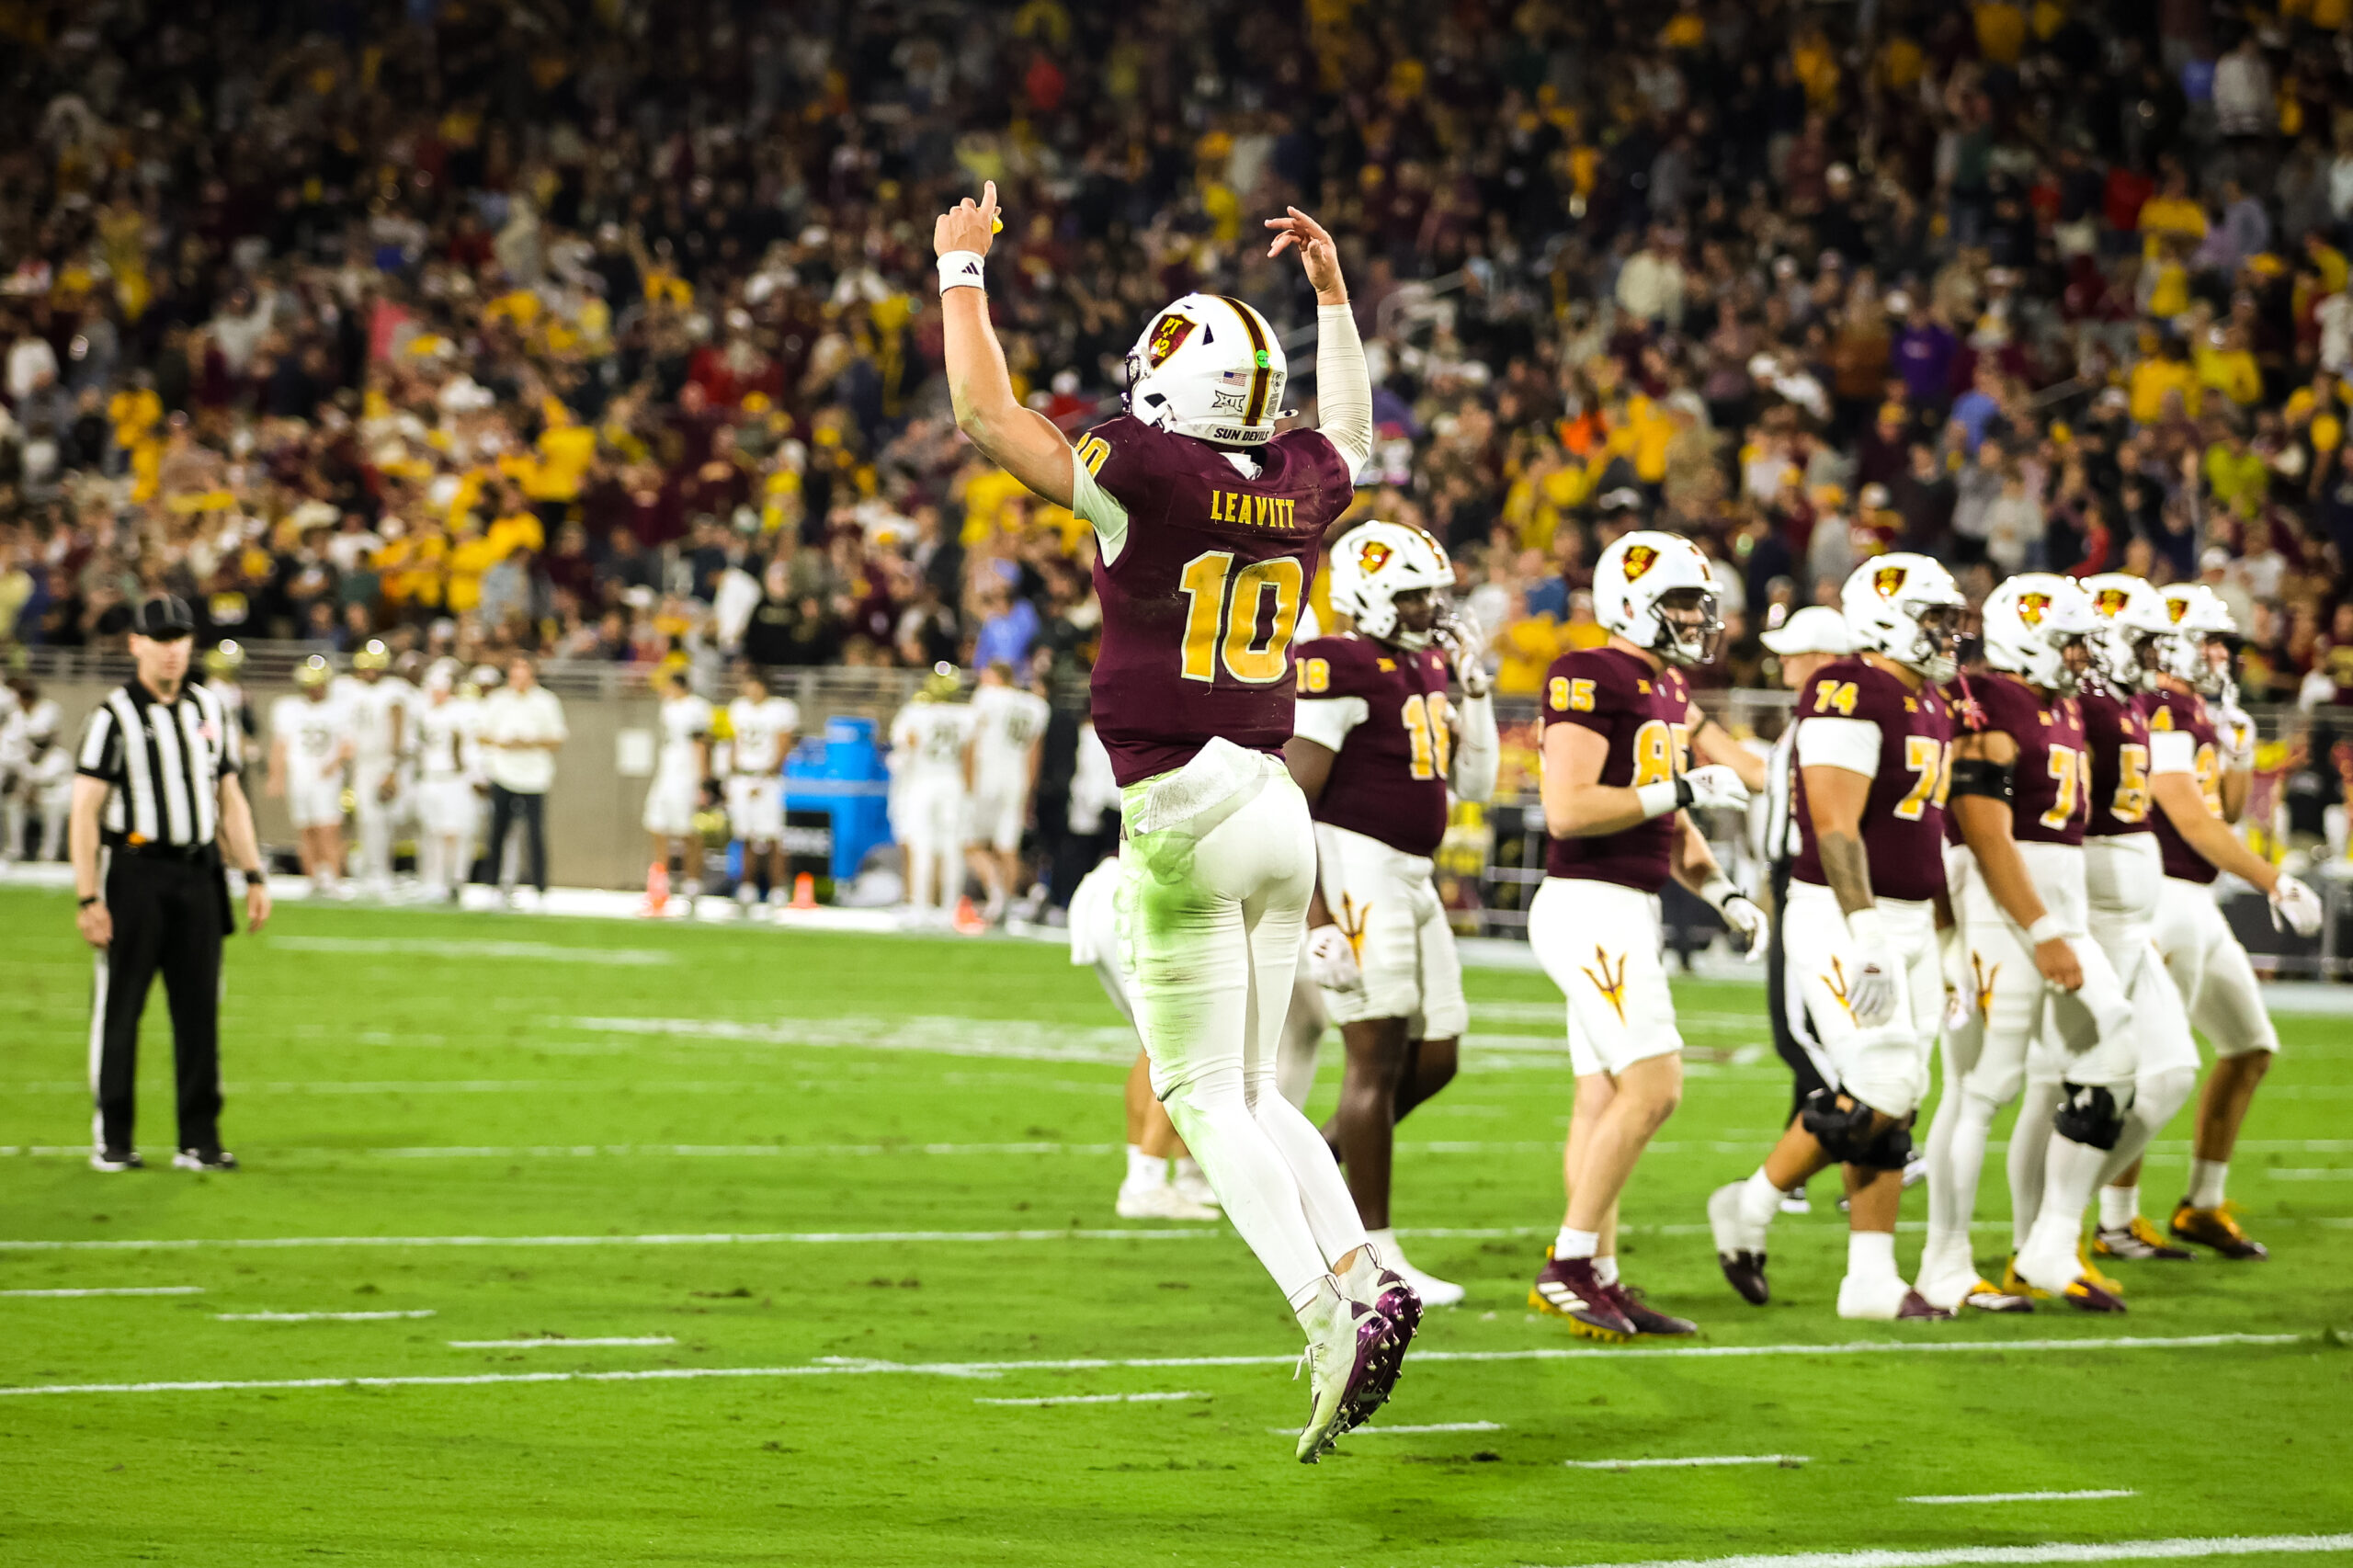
column 961, row 269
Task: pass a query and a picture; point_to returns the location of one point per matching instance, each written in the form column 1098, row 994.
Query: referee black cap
column 165, row 617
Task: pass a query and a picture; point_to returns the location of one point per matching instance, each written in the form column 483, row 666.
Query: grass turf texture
column 514, row 1051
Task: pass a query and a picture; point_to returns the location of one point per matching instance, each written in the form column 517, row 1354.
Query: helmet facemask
column 1935, row 653
column 1689, row 629
column 2075, row 662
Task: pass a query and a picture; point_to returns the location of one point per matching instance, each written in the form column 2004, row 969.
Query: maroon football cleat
column 1916, row 1305
column 1568, row 1288
column 1369, row 1342
column 1403, row 1308
column 2087, row 1297
column 1628, row 1299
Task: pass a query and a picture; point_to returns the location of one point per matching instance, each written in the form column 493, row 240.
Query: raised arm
column 1023, row 442
column 1343, row 380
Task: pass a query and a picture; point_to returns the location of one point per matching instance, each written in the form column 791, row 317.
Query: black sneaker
column 116, row 1160
column 214, row 1159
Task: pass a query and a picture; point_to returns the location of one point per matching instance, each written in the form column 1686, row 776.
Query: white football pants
column 1218, row 863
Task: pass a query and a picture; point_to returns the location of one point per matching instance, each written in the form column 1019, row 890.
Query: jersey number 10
column 1218, row 596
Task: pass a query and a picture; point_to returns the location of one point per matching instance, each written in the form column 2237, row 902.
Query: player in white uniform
column 17, row 757
column 48, row 783
column 2202, row 758
column 760, row 728
column 380, row 705
column 931, row 747
column 311, row 746
column 1009, row 732
column 221, row 666
column 450, row 784
column 679, row 768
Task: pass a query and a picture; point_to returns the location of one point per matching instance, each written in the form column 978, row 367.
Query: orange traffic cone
column 968, row 919
column 804, row 891
column 657, row 889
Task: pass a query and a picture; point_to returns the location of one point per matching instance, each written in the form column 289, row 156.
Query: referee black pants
column 508, row 810
column 1778, row 1002
column 168, row 919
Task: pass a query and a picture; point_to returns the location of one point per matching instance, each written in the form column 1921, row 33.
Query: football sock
column 1146, row 1170
column 2155, row 1097
column 2031, row 1139
column 1956, row 1160
column 1759, row 1202
column 1576, row 1244
column 2070, row 1172
column 2206, row 1178
column 1605, row 1270
column 1870, row 1255
column 2118, row 1205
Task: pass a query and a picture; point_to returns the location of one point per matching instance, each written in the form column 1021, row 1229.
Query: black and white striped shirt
column 162, row 761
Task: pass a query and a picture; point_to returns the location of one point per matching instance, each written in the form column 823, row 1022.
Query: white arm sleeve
column 1479, row 751
column 1096, row 507
column 2172, row 751
column 1343, row 386
column 1326, row 721
column 1850, row 744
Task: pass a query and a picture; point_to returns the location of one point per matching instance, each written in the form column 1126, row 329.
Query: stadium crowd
column 608, row 332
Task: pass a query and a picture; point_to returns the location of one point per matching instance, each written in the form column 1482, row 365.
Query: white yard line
column 1423, row 1427
column 1691, row 1462
column 845, row 1366
column 115, row 1291
column 1105, row 1399
column 2176, row 1548
column 544, row 1342
column 320, row 1317
column 2304, row 1174
column 435, row 947
column 2090, row 1495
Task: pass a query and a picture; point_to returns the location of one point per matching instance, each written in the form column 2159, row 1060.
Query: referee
column 156, row 803
column 1814, row 637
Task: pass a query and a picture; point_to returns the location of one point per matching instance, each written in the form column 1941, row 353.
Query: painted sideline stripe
column 116, row 1291
column 1694, row 1460
column 319, row 1317
column 440, row 948
column 2177, row 1547
column 2089, row 1495
column 1105, row 1399
column 848, row 1366
column 547, row 1342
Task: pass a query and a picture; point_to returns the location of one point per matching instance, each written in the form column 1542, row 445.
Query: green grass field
column 860, row 1188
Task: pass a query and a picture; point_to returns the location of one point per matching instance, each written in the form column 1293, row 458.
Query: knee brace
column 2091, row 1115
column 1890, row 1151
column 1846, row 1131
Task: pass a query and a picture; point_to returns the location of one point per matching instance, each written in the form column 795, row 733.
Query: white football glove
column 1458, row 632
column 1960, row 983
column 1716, row 785
column 1871, row 995
column 2295, row 904
column 2238, row 737
column 1748, row 925
column 1331, row 961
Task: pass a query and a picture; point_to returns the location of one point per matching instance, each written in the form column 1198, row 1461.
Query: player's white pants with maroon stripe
column 1219, row 863
column 2211, row 970
column 1384, row 899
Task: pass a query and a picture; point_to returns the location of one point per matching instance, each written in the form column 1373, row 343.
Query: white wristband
column 961, row 269
column 1659, row 799
column 1867, row 930
column 2050, row 928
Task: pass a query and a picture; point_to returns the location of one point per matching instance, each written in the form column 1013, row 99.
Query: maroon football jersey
column 1200, row 605
column 1647, row 718
column 2052, row 777
column 2184, row 711
column 2117, row 733
column 1903, row 815
column 1389, row 777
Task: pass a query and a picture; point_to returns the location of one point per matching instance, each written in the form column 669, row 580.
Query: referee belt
column 180, row 853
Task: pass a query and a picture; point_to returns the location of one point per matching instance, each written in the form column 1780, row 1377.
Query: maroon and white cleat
column 1917, row 1306
column 1628, row 1299
column 1347, row 1354
column 1570, row 1289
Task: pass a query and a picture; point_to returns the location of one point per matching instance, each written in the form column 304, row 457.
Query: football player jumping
column 1207, row 527
column 2199, row 775
column 1616, row 722
column 2020, row 780
column 1375, row 747
column 1864, row 926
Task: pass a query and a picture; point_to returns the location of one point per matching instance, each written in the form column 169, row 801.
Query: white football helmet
column 1908, row 608
column 2195, row 613
column 1210, row 368
column 2031, row 620
column 1635, row 574
column 2134, row 625
column 1375, row 562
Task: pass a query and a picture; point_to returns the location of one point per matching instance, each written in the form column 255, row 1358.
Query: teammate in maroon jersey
column 2122, row 870
column 2019, row 782
column 1862, row 926
column 1376, row 747
column 1616, row 723
column 2199, row 772
column 1207, row 527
